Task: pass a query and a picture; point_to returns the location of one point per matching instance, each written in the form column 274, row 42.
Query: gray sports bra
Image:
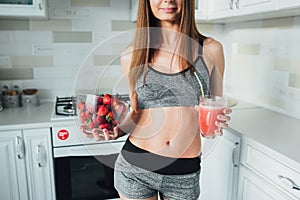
column 158, row 89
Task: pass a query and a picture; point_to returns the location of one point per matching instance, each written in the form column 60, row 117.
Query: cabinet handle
column 41, row 156
column 20, row 147
column 237, row 4
column 40, row 5
column 289, row 182
column 231, row 5
column 235, row 159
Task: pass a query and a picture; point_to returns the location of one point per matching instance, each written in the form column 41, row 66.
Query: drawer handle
column 231, row 5
column 20, row 149
column 41, row 157
column 235, row 158
column 289, row 182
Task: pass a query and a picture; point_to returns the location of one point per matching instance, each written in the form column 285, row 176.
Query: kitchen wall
column 263, row 63
column 78, row 48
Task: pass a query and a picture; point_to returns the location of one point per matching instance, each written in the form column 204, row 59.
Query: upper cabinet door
column 220, row 9
column 254, row 6
column 288, row 4
column 134, row 9
column 201, row 10
column 23, row 8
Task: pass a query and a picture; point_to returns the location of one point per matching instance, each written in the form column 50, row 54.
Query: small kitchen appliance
column 11, row 99
column 30, row 97
column 65, row 106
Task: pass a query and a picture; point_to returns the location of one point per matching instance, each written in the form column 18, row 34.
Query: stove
column 65, row 106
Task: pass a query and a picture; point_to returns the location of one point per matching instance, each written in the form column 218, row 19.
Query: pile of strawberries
column 101, row 111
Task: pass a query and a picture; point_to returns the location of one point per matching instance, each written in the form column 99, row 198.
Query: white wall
column 262, row 63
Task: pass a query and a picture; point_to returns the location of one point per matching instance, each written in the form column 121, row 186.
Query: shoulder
column 212, row 47
column 126, row 57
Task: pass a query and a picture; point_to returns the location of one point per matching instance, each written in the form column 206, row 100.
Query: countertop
column 272, row 129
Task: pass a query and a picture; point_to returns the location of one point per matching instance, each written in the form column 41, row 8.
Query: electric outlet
column 71, row 12
column 5, row 62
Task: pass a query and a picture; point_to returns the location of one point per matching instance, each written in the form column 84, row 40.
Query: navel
column 168, row 143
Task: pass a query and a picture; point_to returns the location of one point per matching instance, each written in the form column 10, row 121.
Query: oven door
column 86, row 172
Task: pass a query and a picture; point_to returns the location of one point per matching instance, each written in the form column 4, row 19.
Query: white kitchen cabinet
column 254, row 187
column 220, row 9
column 245, row 7
column 39, row 163
column 286, row 4
column 201, row 10
column 34, row 9
column 13, row 185
column 234, row 8
column 26, row 168
column 266, row 174
column 134, row 9
column 219, row 167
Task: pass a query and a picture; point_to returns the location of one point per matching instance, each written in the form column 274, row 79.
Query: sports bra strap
column 200, row 49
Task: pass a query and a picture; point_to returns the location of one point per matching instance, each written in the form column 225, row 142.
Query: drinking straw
column 201, row 86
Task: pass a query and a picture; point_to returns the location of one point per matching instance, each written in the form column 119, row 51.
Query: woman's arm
column 215, row 57
column 216, row 63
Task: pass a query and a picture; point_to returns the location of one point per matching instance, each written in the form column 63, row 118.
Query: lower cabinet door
column 252, row 186
column 13, row 184
column 39, row 164
column 219, row 167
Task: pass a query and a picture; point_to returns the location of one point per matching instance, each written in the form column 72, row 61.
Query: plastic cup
column 209, row 108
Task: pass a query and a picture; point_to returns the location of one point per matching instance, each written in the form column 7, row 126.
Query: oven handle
column 103, row 148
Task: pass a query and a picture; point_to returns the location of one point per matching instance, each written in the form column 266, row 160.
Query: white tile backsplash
column 264, row 75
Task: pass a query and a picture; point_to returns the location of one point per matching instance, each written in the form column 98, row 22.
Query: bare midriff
column 168, row 131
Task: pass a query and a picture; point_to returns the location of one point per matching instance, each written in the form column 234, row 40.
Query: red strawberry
column 88, row 121
column 82, row 116
column 101, row 119
column 109, row 116
column 100, row 100
column 81, row 106
column 91, row 109
column 107, row 99
column 87, row 114
column 102, row 110
column 119, row 110
column 94, row 124
column 115, row 101
column 114, row 123
column 105, row 126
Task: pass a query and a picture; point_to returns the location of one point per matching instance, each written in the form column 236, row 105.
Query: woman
column 162, row 153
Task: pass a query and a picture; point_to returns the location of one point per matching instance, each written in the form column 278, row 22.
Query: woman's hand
column 223, row 120
column 101, row 134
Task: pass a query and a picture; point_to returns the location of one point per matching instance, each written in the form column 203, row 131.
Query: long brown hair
column 143, row 43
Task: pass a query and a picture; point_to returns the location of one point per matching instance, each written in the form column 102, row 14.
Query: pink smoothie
column 207, row 118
